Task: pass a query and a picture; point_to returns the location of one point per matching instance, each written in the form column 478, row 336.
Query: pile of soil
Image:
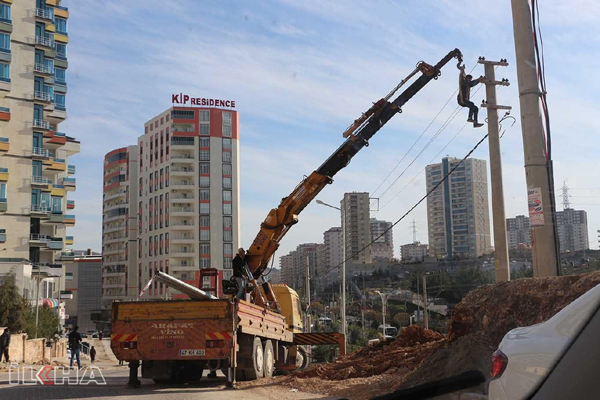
column 413, row 345
column 493, row 310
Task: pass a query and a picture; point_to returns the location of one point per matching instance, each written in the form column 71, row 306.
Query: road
column 115, row 388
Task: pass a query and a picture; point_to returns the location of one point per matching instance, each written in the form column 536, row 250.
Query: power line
column 414, row 206
column 420, row 136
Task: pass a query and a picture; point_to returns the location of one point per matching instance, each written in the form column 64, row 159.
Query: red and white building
column 188, row 194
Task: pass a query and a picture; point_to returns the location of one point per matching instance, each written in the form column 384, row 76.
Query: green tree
column 401, row 319
column 12, row 308
column 47, row 322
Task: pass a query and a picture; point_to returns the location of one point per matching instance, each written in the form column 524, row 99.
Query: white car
column 526, row 355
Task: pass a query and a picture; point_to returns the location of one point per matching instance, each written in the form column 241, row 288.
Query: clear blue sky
column 301, row 72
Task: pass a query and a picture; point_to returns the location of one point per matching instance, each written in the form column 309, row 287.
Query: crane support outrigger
column 282, row 218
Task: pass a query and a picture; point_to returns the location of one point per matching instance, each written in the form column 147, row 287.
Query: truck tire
column 269, row 359
column 303, row 355
column 257, row 361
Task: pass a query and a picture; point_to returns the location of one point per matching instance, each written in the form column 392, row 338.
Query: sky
column 301, row 72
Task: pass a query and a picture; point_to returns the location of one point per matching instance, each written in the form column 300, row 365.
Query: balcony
column 69, row 240
column 4, row 174
column 182, row 211
column 183, row 185
column 44, row 13
column 38, row 153
column 116, row 270
column 41, row 124
column 113, row 285
column 4, row 144
column 69, row 183
column 112, row 240
column 40, row 211
column 182, row 266
column 66, row 295
column 54, row 139
column 56, row 244
column 115, row 194
column 113, row 250
column 56, row 164
column 70, row 204
column 71, row 169
column 3, row 204
column 2, row 235
column 182, row 198
column 67, row 256
column 55, row 218
column 182, row 238
column 183, row 225
column 42, row 97
column 69, row 220
column 182, row 171
column 38, row 240
column 185, row 252
column 182, row 158
column 183, row 142
column 114, row 228
column 41, row 182
column 44, row 42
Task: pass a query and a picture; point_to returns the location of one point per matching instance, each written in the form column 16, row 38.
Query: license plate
column 192, row 352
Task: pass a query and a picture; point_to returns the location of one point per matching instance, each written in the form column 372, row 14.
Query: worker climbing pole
column 465, row 83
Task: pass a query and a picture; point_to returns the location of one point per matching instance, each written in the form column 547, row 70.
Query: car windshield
column 422, row 176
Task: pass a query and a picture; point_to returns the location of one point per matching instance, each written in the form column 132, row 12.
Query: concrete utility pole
column 426, row 313
column 541, row 214
column 498, row 214
column 308, row 293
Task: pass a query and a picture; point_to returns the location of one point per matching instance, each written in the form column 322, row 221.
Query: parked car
column 526, row 355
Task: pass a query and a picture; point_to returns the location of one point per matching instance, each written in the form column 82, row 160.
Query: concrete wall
column 34, row 351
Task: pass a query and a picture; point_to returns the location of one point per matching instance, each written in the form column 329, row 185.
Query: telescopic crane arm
column 282, row 218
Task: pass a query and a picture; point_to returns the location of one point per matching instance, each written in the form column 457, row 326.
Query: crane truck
column 264, row 333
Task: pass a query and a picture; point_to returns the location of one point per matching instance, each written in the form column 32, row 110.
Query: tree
column 47, row 322
column 401, row 319
column 12, row 308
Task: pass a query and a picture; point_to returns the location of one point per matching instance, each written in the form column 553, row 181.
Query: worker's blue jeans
column 75, row 353
column 241, row 283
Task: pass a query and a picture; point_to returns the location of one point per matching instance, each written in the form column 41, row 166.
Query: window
column 151, row 176
column 226, row 144
column 204, row 221
column 61, row 75
column 226, row 183
column 204, row 248
column 167, row 173
column 204, row 116
column 2, row 190
column 204, row 142
column 227, row 209
column 166, row 243
column 227, row 263
column 56, row 204
column 227, row 236
column 227, row 222
column 204, row 208
column 161, row 244
column 141, row 188
column 61, row 25
column 59, row 100
column 4, row 12
column 227, row 156
column 226, row 131
column 204, row 168
column 4, row 43
column 204, row 234
column 204, row 194
column 204, row 129
column 226, row 118
column 204, row 262
column 226, row 195
column 161, row 178
column 227, row 169
column 4, row 72
column 150, row 246
column 227, row 249
column 204, row 155
column 204, row 181
column 61, row 51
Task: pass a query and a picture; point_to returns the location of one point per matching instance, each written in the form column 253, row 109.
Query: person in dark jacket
column 75, row 346
column 466, row 82
column 92, row 354
column 4, row 345
column 239, row 272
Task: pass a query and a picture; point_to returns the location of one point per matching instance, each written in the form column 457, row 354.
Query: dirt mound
column 493, row 310
column 414, row 344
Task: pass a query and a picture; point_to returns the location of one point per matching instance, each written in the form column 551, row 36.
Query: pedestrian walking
column 4, row 345
column 75, row 346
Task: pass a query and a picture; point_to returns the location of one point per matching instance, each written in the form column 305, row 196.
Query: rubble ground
column 419, row 355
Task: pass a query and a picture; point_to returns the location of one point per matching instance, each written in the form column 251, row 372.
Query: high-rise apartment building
column 35, row 175
column 286, row 266
column 356, row 225
column 120, row 276
column 518, row 231
column 457, row 211
column 188, row 193
column 333, row 240
column 572, row 230
column 382, row 248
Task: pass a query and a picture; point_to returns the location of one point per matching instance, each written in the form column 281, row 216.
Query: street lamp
column 384, row 299
column 343, row 299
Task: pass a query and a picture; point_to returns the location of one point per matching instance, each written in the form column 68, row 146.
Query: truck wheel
column 302, row 359
column 257, row 361
column 269, row 356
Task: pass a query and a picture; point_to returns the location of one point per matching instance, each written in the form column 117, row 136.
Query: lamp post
column 384, row 299
column 343, row 305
